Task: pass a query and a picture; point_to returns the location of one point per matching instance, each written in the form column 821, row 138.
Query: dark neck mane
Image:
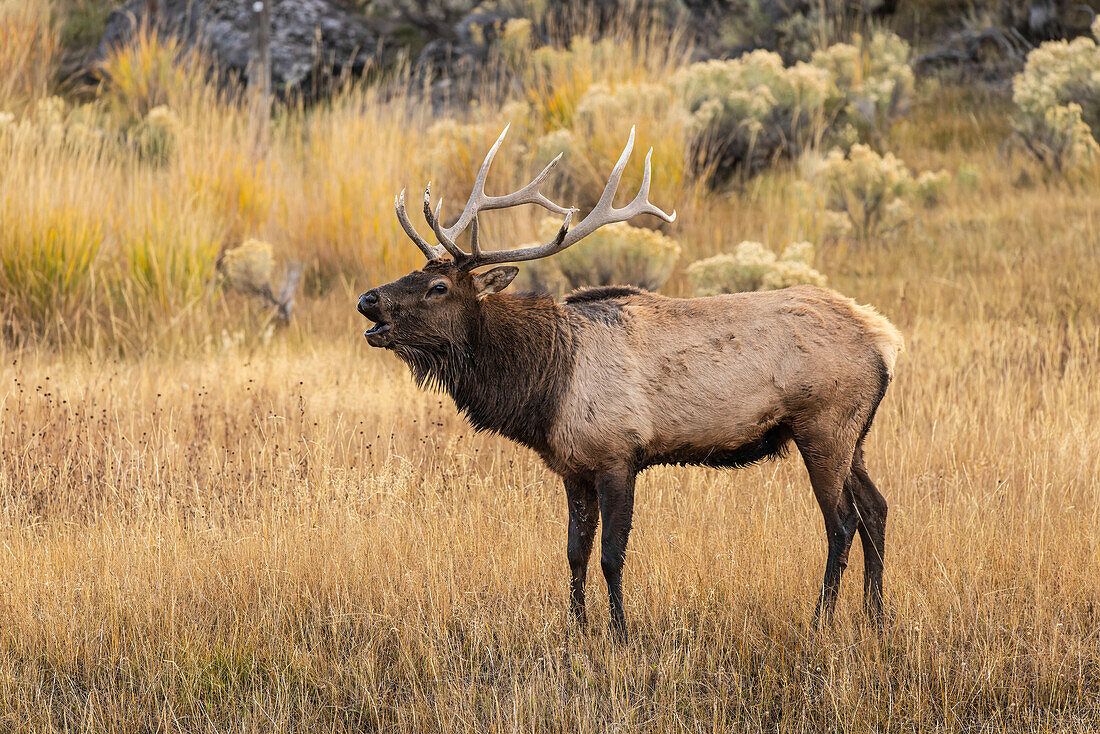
column 512, row 376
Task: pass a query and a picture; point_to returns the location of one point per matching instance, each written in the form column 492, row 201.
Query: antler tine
column 527, row 253
column 479, row 201
column 529, row 194
column 607, row 198
column 428, row 217
column 478, row 193
column 603, row 213
column 431, row 252
column 475, row 243
column 433, row 222
column 641, row 201
column 441, row 234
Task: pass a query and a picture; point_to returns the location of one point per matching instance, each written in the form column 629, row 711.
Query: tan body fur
column 718, row 373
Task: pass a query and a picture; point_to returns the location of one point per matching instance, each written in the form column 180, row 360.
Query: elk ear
column 492, row 281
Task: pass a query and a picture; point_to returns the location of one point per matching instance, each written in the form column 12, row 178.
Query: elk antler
column 478, row 202
column 603, row 213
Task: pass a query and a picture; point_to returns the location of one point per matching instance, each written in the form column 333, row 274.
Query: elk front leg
column 616, row 496
column 584, row 514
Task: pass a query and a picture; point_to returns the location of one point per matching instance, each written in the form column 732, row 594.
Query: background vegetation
column 209, row 523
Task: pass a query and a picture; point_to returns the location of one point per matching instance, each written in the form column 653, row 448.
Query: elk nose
column 368, row 301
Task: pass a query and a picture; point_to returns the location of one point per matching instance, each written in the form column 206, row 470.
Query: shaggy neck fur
column 511, row 375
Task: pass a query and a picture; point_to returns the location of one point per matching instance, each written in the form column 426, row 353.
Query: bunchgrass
column 209, row 526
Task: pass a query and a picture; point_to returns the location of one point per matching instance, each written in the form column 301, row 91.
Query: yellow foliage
column 151, row 71
column 29, row 46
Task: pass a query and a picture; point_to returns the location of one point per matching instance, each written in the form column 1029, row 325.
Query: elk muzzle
column 381, row 334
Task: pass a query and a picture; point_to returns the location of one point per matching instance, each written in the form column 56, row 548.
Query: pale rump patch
column 885, row 335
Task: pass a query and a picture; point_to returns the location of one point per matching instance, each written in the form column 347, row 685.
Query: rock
column 991, row 55
column 455, row 64
column 312, row 41
column 1047, row 20
column 791, row 28
column 994, row 55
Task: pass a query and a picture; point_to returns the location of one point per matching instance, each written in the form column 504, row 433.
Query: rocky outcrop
column 451, row 42
column 454, row 65
column 1047, row 20
column 997, row 53
column 312, row 41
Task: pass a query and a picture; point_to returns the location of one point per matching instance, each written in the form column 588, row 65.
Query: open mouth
column 379, row 334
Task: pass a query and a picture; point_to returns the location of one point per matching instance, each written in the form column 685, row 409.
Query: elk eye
column 438, row 289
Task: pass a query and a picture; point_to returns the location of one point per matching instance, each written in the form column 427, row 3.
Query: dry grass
column 240, row 531
column 28, row 49
column 294, row 538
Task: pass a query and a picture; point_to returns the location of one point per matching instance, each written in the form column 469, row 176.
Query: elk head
column 431, row 307
column 435, row 307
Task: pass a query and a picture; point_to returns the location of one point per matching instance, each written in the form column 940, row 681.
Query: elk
column 612, row 380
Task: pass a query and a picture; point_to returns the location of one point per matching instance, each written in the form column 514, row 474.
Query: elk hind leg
column 872, row 534
column 828, row 477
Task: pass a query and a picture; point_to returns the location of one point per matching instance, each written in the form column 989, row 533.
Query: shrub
column 248, row 268
column 753, row 267
column 745, row 111
column 554, row 80
column 868, row 195
column 516, row 40
column 581, row 100
column 1057, row 137
column 150, row 72
column 1057, row 98
column 156, row 136
column 601, row 126
column 43, row 124
column 617, row 254
column 458, row 148
column 873, row 78
column 931, row 186
column 969, row 177
column 50, row 126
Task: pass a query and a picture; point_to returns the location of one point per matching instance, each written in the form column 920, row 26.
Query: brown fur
column 614, row 380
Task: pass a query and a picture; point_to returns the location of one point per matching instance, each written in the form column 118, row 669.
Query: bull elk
column 613, row 380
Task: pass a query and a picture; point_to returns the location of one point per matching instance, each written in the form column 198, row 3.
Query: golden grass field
column 205, row 526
